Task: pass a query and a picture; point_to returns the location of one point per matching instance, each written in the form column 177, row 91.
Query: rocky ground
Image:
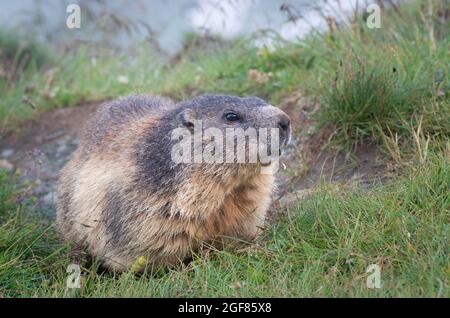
column 41, row 147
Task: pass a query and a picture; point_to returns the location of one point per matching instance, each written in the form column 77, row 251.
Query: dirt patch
column 50, row 126
column 306, row 162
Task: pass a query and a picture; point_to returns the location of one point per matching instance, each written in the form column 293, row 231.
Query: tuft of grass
column 386, row 80
column 29, row 248
column 23, row 52
column 363, row 97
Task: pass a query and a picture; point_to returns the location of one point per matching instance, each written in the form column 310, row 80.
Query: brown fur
column 101, row 209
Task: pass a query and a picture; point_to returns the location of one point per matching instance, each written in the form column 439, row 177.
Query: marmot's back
column 113, row 118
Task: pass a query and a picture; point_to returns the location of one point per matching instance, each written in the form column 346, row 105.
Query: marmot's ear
column 187, row 117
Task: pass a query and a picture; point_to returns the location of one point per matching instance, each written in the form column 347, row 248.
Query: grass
column 321, row 248
column 383, row 80
column 389, row 86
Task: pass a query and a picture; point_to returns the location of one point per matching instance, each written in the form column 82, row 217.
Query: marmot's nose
column 284, row 122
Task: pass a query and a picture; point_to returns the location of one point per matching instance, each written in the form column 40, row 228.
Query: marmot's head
column 192, row 141
column 222, row 111
column 248, row 130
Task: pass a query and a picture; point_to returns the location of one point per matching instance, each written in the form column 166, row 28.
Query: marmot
column 122, row 198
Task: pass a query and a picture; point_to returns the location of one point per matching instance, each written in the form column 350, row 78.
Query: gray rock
column 6, row 153
column 293, row 198
column 49, row 198
column 5, row 164
column 62, row 148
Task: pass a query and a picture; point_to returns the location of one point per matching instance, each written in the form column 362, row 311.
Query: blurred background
column 165, row 23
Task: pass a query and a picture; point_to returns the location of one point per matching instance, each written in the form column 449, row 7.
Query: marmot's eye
column 231, row 116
